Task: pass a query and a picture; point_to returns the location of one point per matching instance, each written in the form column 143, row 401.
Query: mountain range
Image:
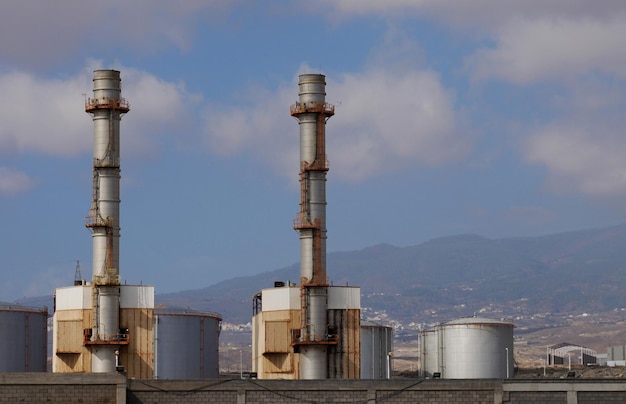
column 450, row 277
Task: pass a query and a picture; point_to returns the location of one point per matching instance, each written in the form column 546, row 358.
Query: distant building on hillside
column 566, row 354
column 616, row 355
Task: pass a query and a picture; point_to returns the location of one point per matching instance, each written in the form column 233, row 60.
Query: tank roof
column 478, row 320
column 18, row 307
column 373, row 324
column 175, row 311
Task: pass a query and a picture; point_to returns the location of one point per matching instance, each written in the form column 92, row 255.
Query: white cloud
column 580, row 157
column 554, row 48
column 262, row 128
column 158, row 109
column 582, row 145
column 46, row 116
column 532, row 39
column 13, row 182
column 43, row 115
column 34, row 32
column 383, row 122
column 386, row 122
column 483, row 15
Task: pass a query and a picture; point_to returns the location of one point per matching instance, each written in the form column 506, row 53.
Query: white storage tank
column 186, row 344
column 23, row 338
column 376, row 344
column 468, row 348
column 429, row 352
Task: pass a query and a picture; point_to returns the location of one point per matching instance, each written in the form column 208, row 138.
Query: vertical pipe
column 507, row 362
column 106, row 108
column 312, row 112
column 156, row 346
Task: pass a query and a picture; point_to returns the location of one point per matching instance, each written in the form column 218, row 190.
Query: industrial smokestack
column 106, row 107
column 312, row 112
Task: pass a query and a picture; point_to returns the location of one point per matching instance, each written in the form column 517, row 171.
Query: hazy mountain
column 449, row 277
column 456, row 276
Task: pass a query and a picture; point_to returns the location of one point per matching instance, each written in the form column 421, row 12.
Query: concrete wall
column 103, row 388
column 398, row 391
column 115, row 388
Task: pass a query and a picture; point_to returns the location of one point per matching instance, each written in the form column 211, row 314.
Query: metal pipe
column 106, row 108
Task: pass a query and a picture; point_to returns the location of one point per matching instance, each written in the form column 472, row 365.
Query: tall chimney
column 312, row 112
column 106, row 107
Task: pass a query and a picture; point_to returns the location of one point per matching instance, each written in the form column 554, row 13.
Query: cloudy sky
column 496, row 118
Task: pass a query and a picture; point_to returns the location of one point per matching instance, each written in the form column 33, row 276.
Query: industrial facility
column 468, row 348
column 311, row 330
column 101, row 325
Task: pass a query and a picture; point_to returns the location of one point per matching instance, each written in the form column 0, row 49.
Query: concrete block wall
column 322, row 391
column 395, row 391
column 115, row 388
column 537, row 397
column 588, row 397
column 102, row 388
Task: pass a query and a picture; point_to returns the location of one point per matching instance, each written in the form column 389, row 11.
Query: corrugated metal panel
column 138, row 356
column 284, row 298
column 277, row 337
column 69, row 315
column 277, row 363
column 73, row 297
column 344, row 358
column 69, row 335
column 353, row 363
column 270, row 365
column 344, row 297
column 69, row 353
column 137, row 297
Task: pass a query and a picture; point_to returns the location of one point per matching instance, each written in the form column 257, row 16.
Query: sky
column 489, row 117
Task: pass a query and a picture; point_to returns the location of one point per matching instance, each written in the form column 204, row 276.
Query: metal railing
column 107, row 103
column 312, row 107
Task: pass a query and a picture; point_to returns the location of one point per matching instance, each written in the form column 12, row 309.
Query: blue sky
column 495, row 118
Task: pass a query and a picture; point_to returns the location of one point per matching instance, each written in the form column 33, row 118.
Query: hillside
column 450, row 277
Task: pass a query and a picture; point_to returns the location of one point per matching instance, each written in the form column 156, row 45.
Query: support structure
column 106, row 108
column 312, row 112
column 99, row 325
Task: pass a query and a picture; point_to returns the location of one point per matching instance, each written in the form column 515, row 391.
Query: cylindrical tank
column 24, row 338
column 375, row 348
column 429, row 352
column 468, row 348
column 186, row 344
